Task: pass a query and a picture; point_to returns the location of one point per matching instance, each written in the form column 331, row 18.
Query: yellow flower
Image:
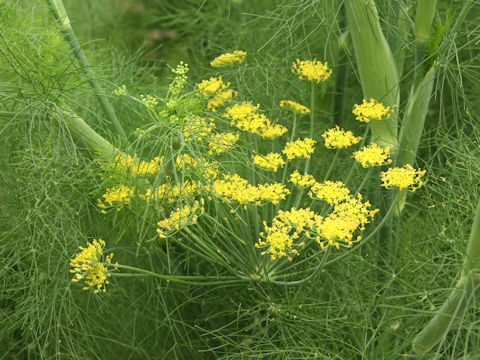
column 280, row 238
column 270, row 161
column 179, row 218
column 197, row 128
column 241, row 111
column 371, row 110
column 235, row 188
column 121, row 91
column 302, row 180
column 136, row 166
column 212, row 86
column 299, row 148
column 311, row 70
column 118, row 196
column 339, row 138
column 404, row 178
column 295, row 107
column 272, row 192
column 222, row 142
column 217, row 90
column 228, row 59
column 329, row 191
column 372, row 155
column 88, row 266
column 272, row 131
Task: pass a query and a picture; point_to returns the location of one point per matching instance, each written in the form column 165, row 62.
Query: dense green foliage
column 368, row 305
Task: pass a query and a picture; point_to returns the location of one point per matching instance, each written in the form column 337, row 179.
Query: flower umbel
column 271, row 161
column 88, row 266
column 339, row 138
column 373, row 155
column 404, row 178
column 371, row 110
column 229, row 59
column 299, row 148
column 295, row 107
column 302, row 180
column 312, row 70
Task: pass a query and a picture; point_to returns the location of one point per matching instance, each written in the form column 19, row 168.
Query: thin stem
column 182, row 279
column 63, row 21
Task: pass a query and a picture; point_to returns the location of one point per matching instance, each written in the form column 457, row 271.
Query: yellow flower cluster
column 333, row 192
column 372, row 155
column 206, row 169
column 116, row 196
column 283, row 237
column 217, row 90
column 312, row 70
column 88, row 266
column 302, row 180
column 235, row 188
column 165, row 192
column 245, row 117
column 229, row 59
column 271, row 161
column 222, row 142
column 339, row 138
column 295, row 107
column 346, row 218
column 137, row 167
column 180, row 218
column 299, row 148
column 371, row 110
column 404, row 178
column 286, row 228
column 197, row 128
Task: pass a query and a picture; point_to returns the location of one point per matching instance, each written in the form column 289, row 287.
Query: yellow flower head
column 212, row 86
column 295, row 107
column 124, row 162
column 339, row 138
column 88, row 266
column 371, row 110
column 372, row 155
column 241, row 111
column 404, row 178
column 197, row 128
column 302, row 180
column 280, row 238
column 222, row 142
column 311, row 70
column 116, row 196
column 330, row 191
column 299, row 148
column 180, row 218
column 270, row 161
column 217, row 90
column 235, row 58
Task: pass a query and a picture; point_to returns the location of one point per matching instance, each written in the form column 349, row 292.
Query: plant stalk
column 63, row 22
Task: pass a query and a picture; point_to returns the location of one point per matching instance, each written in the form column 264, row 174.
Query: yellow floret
column 371, row 110
column 372, row 155
column 404, row 178
column 312, row 70
column 228, row 59
column 339, row 138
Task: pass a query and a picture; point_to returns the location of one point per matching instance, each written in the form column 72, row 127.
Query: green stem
column 84, row 134
column 461, row 297
column 182, row 279
column 423, row 23
column 63, row 22
column 312, row 121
